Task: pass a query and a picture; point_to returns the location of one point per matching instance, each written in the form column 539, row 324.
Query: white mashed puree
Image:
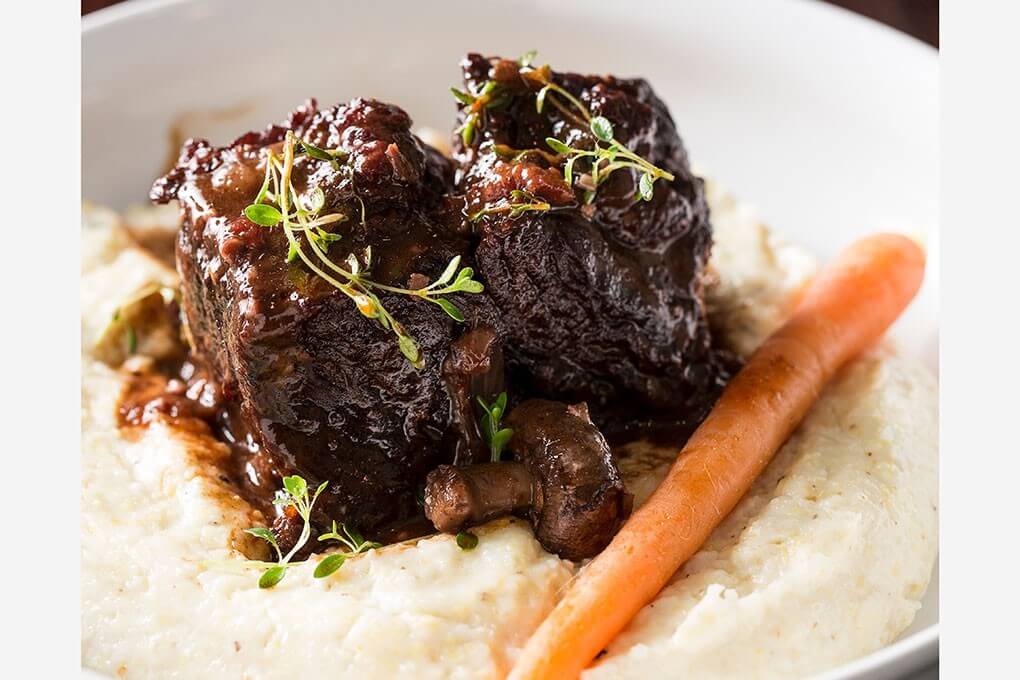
column 823, row 561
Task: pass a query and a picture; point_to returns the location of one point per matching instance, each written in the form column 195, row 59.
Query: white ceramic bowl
column 825, row 121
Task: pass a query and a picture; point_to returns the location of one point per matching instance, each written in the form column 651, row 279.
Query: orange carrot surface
column 846, row 308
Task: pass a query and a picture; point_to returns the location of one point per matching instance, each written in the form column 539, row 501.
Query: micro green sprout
column 279, row 203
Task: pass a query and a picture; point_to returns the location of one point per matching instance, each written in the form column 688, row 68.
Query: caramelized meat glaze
column 598, row 303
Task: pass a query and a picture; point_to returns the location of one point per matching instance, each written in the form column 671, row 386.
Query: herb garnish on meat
column 520, row 202
column 278, row 203
column 606, row 155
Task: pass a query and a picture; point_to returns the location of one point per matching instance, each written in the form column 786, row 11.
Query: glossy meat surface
column 323, row 391
column 597, row 302
column 603, row 302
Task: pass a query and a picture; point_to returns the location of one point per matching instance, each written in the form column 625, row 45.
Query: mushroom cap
column 580, row 498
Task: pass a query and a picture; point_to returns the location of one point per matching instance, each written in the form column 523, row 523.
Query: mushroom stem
column 456, row 497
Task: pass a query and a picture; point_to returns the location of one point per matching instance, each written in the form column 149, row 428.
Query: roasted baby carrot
column 846, row 308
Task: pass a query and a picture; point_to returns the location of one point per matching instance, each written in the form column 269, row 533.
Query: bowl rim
column 915, row 650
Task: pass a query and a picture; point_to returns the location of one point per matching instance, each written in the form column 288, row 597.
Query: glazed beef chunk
column 592, row 297
column 322, row 390
column 602, row 301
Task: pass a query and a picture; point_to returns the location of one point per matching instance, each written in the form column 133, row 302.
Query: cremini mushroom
column 563, row 479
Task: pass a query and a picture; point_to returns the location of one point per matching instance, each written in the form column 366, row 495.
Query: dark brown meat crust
column 602, row 304
column 325, row 391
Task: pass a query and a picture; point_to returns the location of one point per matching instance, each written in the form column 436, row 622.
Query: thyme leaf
column 496, row 436
column 602, row 128
column 263, row 215
column 528, row 57
column 329, row 565
column 303, row 225
column 271, row 576
column 467, row 540
column 351, row 539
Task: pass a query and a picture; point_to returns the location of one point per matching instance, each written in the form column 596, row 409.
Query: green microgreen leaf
column 646, row 188
column 353, row 264
column 499, row 441
column 267, row 536
column 525, row 59
column 540, row 99
column 351, row 538
column 450, row 309
column 409, row 348
column 296, row 486
column 602, row 128
column 318, row 153
column 352, row 533
column 270, row 577
column 558, row 146
column 326, row 237
column 263, row 215
column 492, row 415
column 467, row 132
column 464, row 98
column 568, row 171
column 467, row 540
column 319, row 490
column 332, row 535
column 292, row 252
column 448, row 273
column 329, row 565
column 506, row 153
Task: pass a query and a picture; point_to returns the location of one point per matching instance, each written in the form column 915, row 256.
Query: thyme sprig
column 492, row 416
column 352, row 540
column 490, row 96
column 278, row 203
column 604, row 161
column 519, row 203
column 606, row 156
column 294, row 494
